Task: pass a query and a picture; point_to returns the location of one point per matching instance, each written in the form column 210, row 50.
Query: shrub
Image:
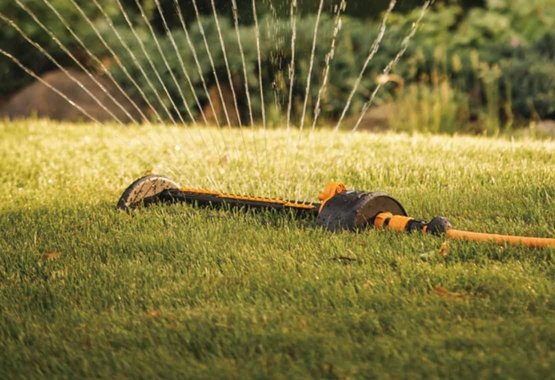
column 531, row 78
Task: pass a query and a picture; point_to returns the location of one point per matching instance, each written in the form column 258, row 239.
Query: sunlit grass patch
column 88, row 291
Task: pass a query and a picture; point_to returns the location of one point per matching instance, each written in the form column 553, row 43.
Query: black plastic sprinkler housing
column 340, row 209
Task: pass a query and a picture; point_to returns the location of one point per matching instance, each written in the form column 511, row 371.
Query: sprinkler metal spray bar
column 339, row 210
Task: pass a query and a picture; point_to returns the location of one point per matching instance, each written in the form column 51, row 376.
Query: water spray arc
column 311, row 64
column 164, row 100
column 183, row 68
column 212, row 64
column 115, row 56
column 164, row 59
column 340, row 8
column 291, row 71
column 259, row 61
column 136, row 61
column 98, row 62
column 391, row 65
column 193, row 50
column 373, row 50
column 151, row 80
column 243, row 61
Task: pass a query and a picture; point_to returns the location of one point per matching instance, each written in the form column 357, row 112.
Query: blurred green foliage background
column 478, row 66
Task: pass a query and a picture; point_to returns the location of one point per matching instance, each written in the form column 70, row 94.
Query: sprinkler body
column 340, row 209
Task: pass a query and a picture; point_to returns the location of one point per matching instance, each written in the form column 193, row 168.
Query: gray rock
column 38, row 100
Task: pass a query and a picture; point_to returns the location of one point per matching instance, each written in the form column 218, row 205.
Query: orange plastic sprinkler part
column 402, row 223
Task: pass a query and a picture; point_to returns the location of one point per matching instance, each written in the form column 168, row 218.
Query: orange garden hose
column 532, row 242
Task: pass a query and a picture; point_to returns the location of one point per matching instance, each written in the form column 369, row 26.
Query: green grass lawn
column 88, row 291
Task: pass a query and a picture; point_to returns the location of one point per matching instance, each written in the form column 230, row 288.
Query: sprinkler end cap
column 145, row 187
column 439, row 226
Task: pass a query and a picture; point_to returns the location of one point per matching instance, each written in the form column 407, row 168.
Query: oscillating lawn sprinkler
column 339, row 210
